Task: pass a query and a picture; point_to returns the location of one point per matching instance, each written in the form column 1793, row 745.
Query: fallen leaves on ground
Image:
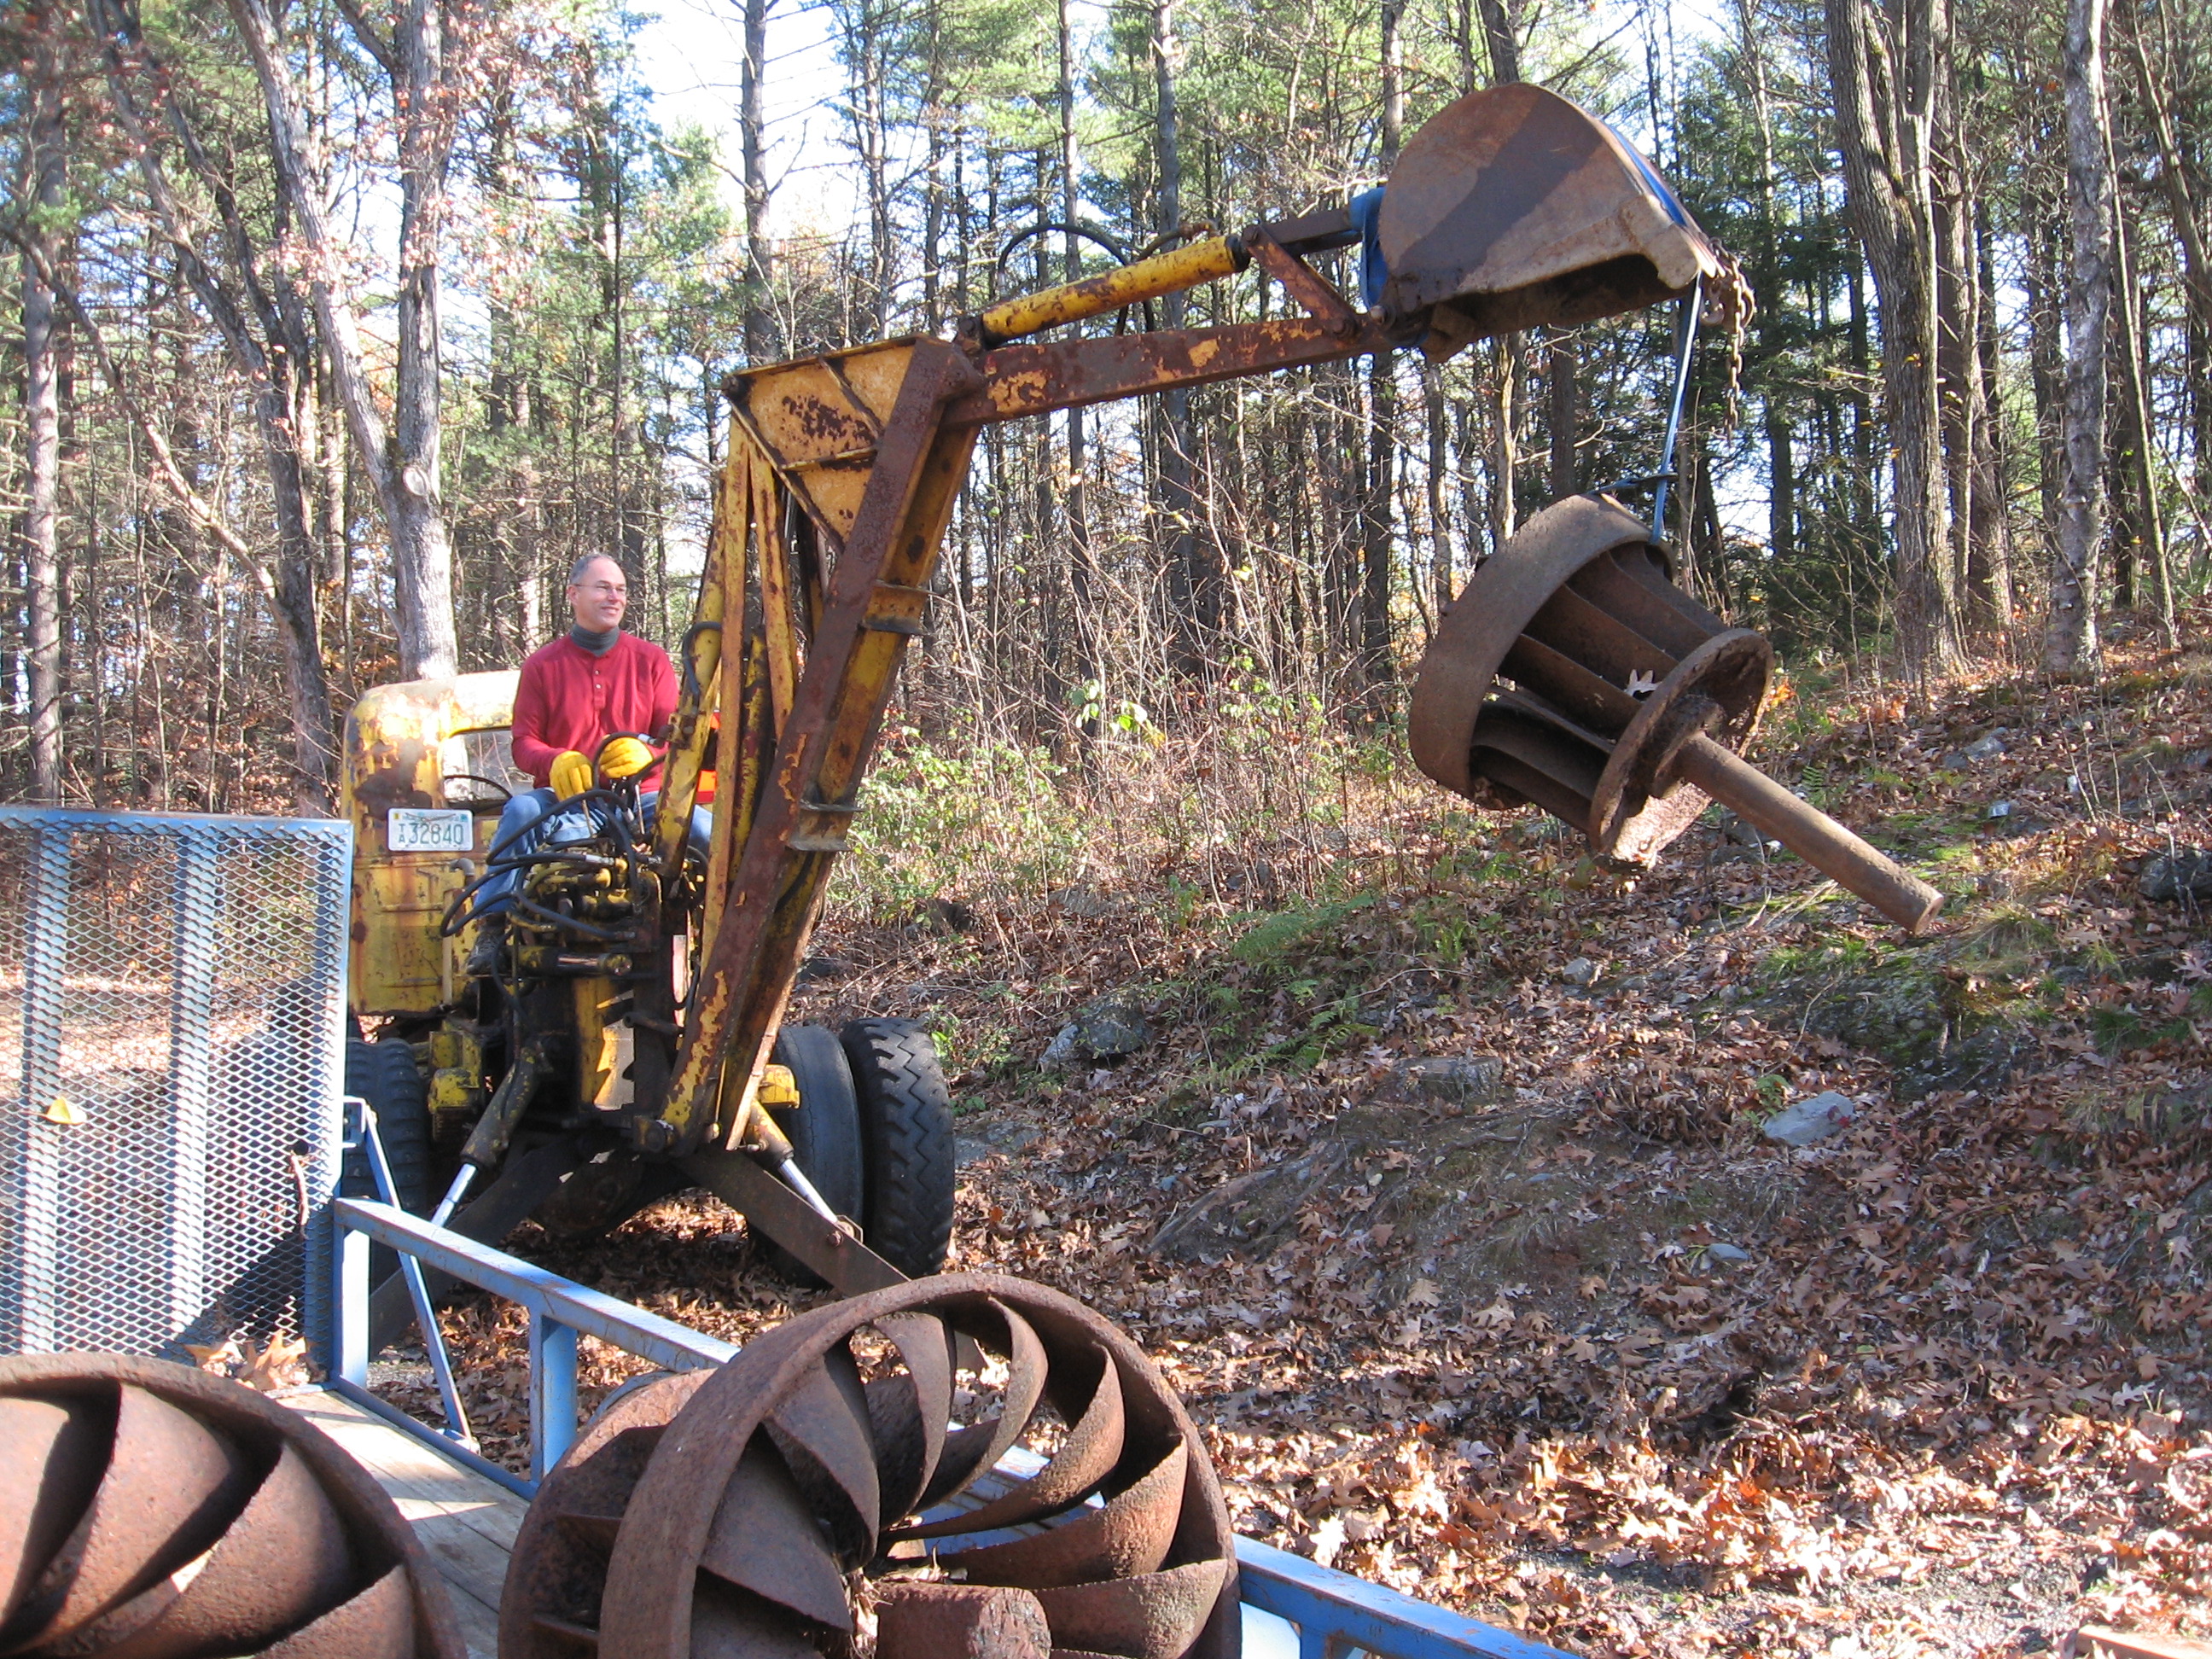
column 278, row 1364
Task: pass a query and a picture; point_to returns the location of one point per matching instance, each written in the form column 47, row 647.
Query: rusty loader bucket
column 1511, row 209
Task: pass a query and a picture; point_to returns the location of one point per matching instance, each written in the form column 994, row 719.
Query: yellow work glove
column 571, row 774
column 624, row 757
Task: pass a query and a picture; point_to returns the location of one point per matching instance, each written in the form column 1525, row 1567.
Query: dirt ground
column 1444, row 1199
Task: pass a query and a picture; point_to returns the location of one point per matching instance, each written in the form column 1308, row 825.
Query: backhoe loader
column 632, row 1039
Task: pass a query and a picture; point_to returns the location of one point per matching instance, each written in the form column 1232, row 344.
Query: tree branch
column 371, row 42
column 202, row 511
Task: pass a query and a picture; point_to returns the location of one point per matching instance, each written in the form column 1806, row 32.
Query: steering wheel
column 602, row 749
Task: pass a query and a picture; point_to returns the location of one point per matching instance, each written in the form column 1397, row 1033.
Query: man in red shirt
column 593, row 683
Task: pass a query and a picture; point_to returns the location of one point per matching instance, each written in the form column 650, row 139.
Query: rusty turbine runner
column 736, row 1512
column 1572, row 674
column 150, row 1511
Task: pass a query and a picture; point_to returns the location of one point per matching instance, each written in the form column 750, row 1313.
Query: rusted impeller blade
column 150, row 1511
column 1576, row 610
column 727, row 1513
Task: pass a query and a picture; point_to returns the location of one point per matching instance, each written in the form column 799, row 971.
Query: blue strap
column 1366, row 219
column 1658, row 186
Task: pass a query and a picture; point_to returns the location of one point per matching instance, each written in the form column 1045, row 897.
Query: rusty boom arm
column 841, row 474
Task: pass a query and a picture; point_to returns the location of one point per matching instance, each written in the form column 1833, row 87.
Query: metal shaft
column 1686, row 341
column 795, row 1178
column 1808, row 832
column 463, row 1178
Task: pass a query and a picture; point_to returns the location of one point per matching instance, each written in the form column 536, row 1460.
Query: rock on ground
column 1812, row 1120
column 1111, row 1027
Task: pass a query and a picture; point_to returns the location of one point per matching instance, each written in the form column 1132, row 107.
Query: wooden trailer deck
column 466, row 1523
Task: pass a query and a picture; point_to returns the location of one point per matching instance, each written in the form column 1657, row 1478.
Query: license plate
column 429, row 829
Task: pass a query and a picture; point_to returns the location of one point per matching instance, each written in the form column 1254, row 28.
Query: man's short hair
column 576, row 570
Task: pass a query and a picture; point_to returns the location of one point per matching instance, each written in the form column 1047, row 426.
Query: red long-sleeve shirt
column 567, row 698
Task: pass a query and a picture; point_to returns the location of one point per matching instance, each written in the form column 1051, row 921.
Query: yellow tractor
column 535, row 1068
column 631, row 1038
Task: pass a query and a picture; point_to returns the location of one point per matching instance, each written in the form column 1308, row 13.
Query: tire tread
column 384, row 1074
column 905, row 1126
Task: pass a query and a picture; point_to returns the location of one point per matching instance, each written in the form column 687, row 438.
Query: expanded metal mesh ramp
column 171, row 1040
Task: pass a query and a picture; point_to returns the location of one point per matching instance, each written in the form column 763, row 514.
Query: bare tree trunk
column 752, row 140
column 1474, row 509
column 1952, row 192
column 865, row 27
column 1337, row 471
column 1506, row 450
column 1192, row 583
column 1083, row 585
column 2069, row 642
column 1884, row 118
column 48, row 158
column 1501, row 41
column 1989, row 571
column 2180, row 177
column 1863, row 492
column 2043, row 284
column 1501, row 37
column 1441, row 575
column 1563, row 388
column 1378, row 516
column 2148, row 540
column 403, row 476
column 1562, row 364
column 423, row 559
column 264, row 329
column 935, row 117
column 1781, row 454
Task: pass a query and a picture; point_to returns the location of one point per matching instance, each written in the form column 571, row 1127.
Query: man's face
column 598, row 600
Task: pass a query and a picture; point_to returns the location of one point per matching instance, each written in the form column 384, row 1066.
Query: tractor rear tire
column 906, row 1134
column 384, row 1075
column 824, row 1129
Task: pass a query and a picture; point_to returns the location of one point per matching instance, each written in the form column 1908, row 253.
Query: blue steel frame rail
column 1335, row 1615
column 558, row 1308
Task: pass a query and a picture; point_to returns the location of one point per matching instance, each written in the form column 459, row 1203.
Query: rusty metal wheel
column 1604, row 653
column 761, row 1509
column 1628, row 702
column 150, row 1511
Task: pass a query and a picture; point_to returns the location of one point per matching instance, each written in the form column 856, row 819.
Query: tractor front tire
column 906, row 1138
column 384, row 1075
column 824, row 1129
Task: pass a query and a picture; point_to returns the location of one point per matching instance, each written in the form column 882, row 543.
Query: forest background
column 344, row 330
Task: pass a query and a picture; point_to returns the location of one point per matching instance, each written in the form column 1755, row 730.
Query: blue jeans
column 528, row 822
